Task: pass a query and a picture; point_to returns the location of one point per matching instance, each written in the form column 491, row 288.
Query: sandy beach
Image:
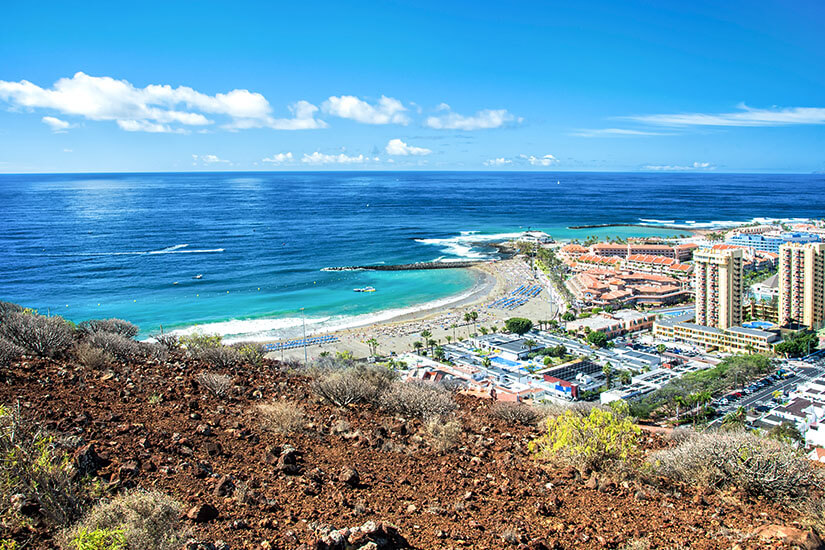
column 496, row 279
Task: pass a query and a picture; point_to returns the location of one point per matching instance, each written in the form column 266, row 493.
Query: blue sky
column 627, row 86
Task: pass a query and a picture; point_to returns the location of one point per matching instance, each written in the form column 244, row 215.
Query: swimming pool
column 758, row 324
column 503, row 361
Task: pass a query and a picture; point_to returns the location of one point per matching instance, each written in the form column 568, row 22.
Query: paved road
column 764, row 395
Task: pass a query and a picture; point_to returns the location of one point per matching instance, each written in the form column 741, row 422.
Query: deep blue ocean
column 103, row 245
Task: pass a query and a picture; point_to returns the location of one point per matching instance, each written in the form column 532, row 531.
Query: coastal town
column 630, row 320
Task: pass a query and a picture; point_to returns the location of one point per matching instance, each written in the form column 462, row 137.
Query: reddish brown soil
column 465, row 498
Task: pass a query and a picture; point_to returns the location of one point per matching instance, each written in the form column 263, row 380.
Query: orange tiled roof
column 650, row 259
column 573, row 247
column 593, row 259
column 684, row 246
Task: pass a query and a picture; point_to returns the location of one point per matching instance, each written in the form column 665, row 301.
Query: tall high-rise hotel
column 802, row 284
column 718, row 280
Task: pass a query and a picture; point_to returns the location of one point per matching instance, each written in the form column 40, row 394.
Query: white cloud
column 209, row 159
column 68, row 150
column 488, row 118
column 58, row 126
column 151, row 127
column 442, row 107
column 154, row 108
column 317, row 158
column 614, row 132
column 546, row 160
column 386, row 111
column 680, row 168
column 398, row 147
column 501, row 161
column 279, row 158
column 746, row 116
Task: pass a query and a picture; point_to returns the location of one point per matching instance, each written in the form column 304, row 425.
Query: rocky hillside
column 300, row 472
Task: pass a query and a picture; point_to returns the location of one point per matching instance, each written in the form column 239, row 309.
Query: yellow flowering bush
column 595, row 441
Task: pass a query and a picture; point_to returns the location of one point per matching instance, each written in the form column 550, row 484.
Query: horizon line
column 376, row 171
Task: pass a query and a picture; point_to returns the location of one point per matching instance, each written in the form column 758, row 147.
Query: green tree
column 625, row 377
column 597, row 339
column 735, row 420
column 568, row 316
column 518, row 325
column 439, row 353
column 661, row 348
column 417, row 346
column 529, row 344
column 607, row 370
column 373, row 345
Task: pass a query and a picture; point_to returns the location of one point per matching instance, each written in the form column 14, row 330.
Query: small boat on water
column 198, row 277
column 365, row 289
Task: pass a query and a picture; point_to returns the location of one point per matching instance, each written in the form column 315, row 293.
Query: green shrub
column 357, row 384
column 116, row 345
column 143, row 520
column 251, row 353
column 8, row 307
column 597, row 441
column 198, row 340
column 720, row 460
column 215, row 383
column 443, row 434
column 222, row 357
column 417, row 399
column 33, row 467
column 38, row 335
column 92, row 357
column 515, row 413
column 99, row 539
column 113, row 326
column 9, row 352
column 518, row 325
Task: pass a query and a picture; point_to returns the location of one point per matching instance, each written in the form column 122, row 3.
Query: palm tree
column 735, row 419
column 486, row 362
column 439, row 353
column 607, row 370
column 474, row 318
column 417, row 345
column 449, row 338
column 467, row 319
column 529, row 344
column 493, row 328
column 482, row 330
column 373, row 344
column 453, row 327
column 625, row 377
column 430, row 344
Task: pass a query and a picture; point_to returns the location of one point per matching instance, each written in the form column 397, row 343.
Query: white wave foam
column 250, row 329
column 262, row 330
column 720, row 224
column 461, row 247
column 176, row 249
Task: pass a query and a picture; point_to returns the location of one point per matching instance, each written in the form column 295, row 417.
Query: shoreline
column 398, row 333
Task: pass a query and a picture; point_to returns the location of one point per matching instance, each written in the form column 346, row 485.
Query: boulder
column 87, row 461
column 349, row 476
column 791, row 536
column 202, row 513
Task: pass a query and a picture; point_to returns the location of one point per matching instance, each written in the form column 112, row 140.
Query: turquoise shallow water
column 115, row 244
